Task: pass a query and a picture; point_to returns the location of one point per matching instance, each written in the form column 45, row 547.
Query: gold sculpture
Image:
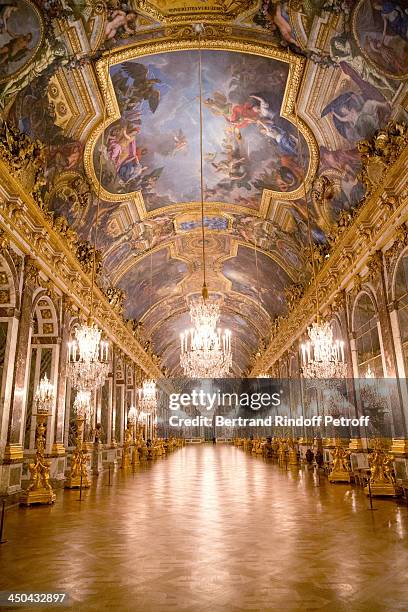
column 293, row 456
column 380, row 152
column 340, row 471
column 79, row 461
column 39, row 490
column 282, row 449
column 382, row 479
column 126, row 448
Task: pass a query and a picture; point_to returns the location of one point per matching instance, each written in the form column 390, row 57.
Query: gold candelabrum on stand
column 382, row 480
column 78, row 476
column 282, row 451
column 293, row 456
column 39, row 490
column 133, row 420
column 127, row 442
column 340, row 471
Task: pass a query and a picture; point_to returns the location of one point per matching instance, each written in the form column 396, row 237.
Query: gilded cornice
column 372, row 228
column 31, row 229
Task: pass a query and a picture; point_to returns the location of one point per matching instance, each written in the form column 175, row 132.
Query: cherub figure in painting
column 120, row 23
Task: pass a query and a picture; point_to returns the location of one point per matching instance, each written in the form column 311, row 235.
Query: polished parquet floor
column 215, row 529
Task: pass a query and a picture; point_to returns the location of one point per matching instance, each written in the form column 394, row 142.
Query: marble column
column 14, row 447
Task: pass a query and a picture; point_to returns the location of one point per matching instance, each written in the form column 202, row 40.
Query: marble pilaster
column 14, row 448
column 58, row 445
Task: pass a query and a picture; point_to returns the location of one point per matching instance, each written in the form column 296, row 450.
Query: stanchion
column 109, row 475
column 3, row 513
column 370, row 497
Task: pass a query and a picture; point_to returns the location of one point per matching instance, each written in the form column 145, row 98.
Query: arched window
column 43, row 357
column 401, row 297
column 365, row 327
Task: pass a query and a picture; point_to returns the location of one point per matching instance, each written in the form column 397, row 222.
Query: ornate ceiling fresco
column 339, row 65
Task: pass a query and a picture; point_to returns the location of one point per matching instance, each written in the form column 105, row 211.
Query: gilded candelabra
column 39, row 490
column 282, row 448
column 132, row 420
column 293, row 456
column 382, row 479
column 340, row 471
column 78, row 477
column 126, row 448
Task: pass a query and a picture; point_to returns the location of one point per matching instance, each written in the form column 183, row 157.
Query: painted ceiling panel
column 154, row 146
column 155, row 277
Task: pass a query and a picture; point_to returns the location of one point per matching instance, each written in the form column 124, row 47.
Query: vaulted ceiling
column 289, row 88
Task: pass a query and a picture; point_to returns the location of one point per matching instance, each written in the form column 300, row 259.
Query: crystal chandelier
column 147, row 396
column 44, row 395
column 323, row 357
column 82, row 404
column 205, row 350
column 132, row 415
column 369, row 373
column 87, row 358
column 88, row 354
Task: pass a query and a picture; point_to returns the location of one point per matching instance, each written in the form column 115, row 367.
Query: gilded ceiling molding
column 142, row 49
column 224, row 11
column 393, row 254
column 31, row 229
column 371, row 228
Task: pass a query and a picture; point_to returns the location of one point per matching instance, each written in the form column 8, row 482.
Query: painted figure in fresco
column 121, row 22
column 273, row 15
column 344, row 51
column 6, row 11
column 382, row 31
column 343, row 165
column 395, row 18
column 15, row 49
column 358, row 115
column 133, row 85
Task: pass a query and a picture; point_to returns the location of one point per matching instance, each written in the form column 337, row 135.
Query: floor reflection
column 212, row 528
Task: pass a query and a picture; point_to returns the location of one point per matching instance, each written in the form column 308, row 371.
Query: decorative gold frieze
column 375, row 265
column 116, row 298
column 25, row 158
column 378, row 153
column 31, row 271
column 4, row 241
column 85, row 253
